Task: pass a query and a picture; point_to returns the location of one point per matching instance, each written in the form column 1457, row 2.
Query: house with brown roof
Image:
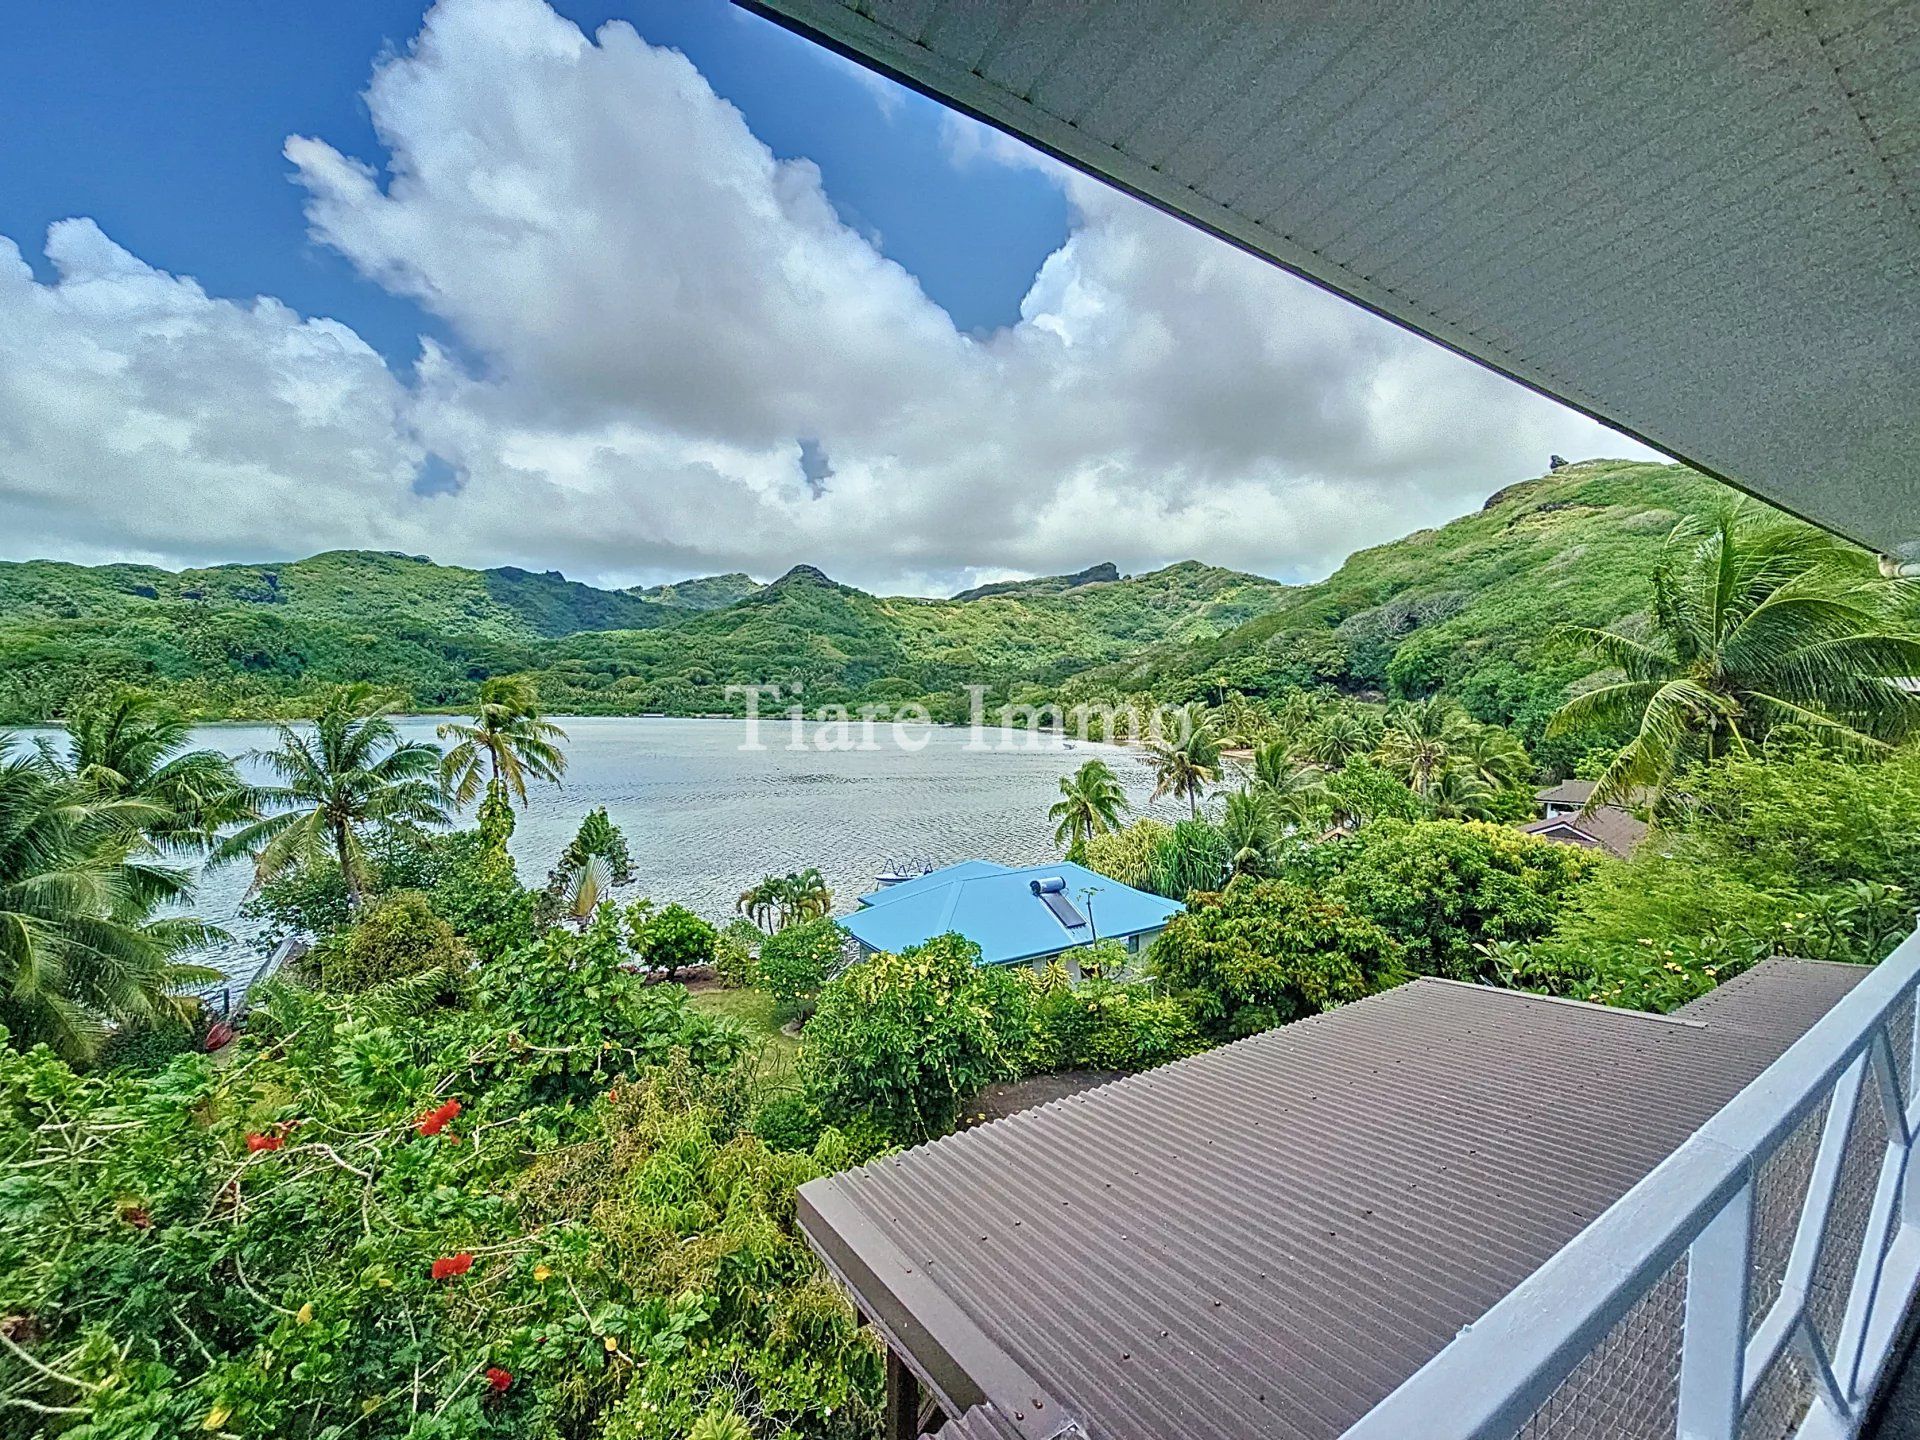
column 1612, row 828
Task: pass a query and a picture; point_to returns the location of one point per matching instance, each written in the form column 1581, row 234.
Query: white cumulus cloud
column 662, row 331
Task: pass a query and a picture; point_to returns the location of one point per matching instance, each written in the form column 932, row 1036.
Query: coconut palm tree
column 508, row 741
column 1241, row 723
column 804, row 896
column 133, row 746
column 777, row 901
column 1292, row 791
column 1188, row 761
column 1493, row 754
column 79, row 947
column 1336, row 738
column 1421, row 739
column 1460, row 793
column 760, row 901
column 1092, row 802
column 352, row 771
column 1253, row 834
column 1755, row 624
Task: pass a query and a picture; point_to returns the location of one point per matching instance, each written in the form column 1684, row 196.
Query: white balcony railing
column 1754, row 1285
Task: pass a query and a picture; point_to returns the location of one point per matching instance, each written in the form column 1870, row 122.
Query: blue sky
column 165, row 122
column 652, row 292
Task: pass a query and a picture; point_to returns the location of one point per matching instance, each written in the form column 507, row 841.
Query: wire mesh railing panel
column 1779, row 1195
column 1847, row 1221
column 1779, row 1403
column 1628, row 1386
column 1900, row 1028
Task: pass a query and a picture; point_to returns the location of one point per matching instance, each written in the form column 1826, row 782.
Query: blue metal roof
column 919, row 884
column 995, row 907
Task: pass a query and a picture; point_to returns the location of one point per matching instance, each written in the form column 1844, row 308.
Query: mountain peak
column 1104, row 573
column 806, row 575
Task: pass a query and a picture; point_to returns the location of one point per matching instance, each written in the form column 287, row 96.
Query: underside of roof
column 1697, row 220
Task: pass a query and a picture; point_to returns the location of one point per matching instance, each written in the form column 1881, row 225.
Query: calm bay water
column 705, row 817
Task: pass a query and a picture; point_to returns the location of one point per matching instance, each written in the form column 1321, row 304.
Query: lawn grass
column 753, row 1009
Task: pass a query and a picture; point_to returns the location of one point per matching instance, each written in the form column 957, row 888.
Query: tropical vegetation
column 496, row 1160
column 1756, row 624
column 508, row 742
column 348, row 773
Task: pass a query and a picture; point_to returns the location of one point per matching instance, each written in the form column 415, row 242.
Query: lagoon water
column 705, row 817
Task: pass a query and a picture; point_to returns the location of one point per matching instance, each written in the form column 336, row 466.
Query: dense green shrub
column 1362, row 791
column 147, row 1049
column 1106, row 1025
column 395, row 937
column 372, row 1227
column 1808, row 822
column 312, row 899
column 672, row 939
column 1126, row 854
column 735, row 951
column 1443, row 888
column 582, row 1014
column 480, row 894
column 1263, row 952
column 905, row 1039
column 796, row 962
column 1651, row 934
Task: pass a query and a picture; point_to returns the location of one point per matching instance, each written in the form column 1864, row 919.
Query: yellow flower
column 304, row 1315
column 613, row 1344
column 543, row 1273
column 216, row 1417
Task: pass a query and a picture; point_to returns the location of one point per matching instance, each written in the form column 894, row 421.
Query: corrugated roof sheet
column 1264, row 1240
column 995, row 907
column 1567, row 792
column 1607, row 828
column 1698, row 219
column 982, row 1422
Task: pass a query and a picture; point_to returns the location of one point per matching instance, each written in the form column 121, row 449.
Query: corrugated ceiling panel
column 1696, row 219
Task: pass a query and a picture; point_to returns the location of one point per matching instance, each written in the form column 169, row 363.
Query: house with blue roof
column 1017, row 915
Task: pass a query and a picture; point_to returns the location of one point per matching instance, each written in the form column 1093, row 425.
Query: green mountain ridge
column 1472, row 607
column 340, row 586
column 244, row 641
column 843, row 645
column 706, row 592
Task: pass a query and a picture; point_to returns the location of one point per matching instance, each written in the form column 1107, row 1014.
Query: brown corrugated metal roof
column 1613, row 830
column 1264, row 1240
column 1567, row 792
column 1764, row 1001
column 982, row 1422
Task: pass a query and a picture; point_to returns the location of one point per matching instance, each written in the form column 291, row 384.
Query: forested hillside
column 842, row 644
column 710, row 592
column 351, row 587
column 263, row 640
column 1471, row 607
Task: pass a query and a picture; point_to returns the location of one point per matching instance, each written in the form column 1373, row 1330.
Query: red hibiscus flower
column 257, row 1143
column 437, row 1119
column 448, row 1266
column 499, row 1379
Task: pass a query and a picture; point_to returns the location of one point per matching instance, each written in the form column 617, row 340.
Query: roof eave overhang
column 839, row 27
